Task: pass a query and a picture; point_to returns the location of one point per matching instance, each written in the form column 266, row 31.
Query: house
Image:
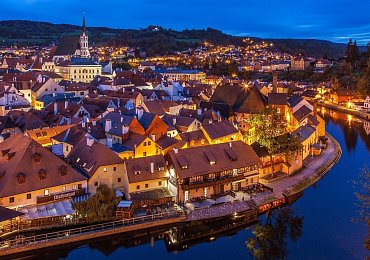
column 182, row 75
column 43, row 87
column 153, row 125
column 135, row 145
column 30, row 174
column 44, row 135
column 98, row 162
column 341, row 96
column 63, row 143
column 182, row 123
column 173, row 89
column 193, row 139
column 78, row 89
column 79, row 69
column 221, row 132
column 242, row 100
column 308, row 137
column 145, row 181
column 299, row 63
column 209, row 171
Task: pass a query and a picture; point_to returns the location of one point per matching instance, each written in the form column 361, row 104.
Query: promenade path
column 310, row 167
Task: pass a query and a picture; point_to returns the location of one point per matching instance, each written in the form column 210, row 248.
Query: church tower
column 84, row 41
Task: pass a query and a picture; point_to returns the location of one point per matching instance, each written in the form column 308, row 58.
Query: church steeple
column 84, row 40
column 83, row 25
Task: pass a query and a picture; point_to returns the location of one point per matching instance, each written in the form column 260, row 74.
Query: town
column 84, row 141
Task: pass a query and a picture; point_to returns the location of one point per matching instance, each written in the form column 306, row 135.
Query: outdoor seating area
column 219, row 210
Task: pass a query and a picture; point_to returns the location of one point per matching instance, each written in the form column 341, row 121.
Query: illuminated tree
column 102, row 205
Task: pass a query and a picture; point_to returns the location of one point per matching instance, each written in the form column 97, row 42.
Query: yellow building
column 146, row 180
column 308, row 137
column 100, row 163
column 30, row 174
column 79, row 70
column 221, row 132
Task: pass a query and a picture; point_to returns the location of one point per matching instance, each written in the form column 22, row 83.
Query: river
column 328, row 209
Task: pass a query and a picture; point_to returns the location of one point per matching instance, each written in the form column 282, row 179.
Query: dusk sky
column 335, row 20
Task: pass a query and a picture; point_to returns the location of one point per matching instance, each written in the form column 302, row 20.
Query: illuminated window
column 46, row 192
column 105, row 169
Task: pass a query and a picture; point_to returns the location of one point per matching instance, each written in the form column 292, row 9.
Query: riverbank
column 282, row 190
column 345, row 110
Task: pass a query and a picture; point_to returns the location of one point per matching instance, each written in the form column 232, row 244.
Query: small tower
column 84, row 41
column 274, row 82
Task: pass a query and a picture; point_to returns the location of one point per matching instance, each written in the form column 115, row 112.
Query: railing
column 22, row 241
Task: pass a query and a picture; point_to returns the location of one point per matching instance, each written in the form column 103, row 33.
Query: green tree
column 100, row 206
column 363, row 86
column 352, row 53
column 269, row 241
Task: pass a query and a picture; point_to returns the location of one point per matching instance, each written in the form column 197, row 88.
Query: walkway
column 288, row 182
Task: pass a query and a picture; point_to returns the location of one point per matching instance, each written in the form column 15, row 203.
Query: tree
column 102, row 205
column 363, row 87
column 352, row 53
column 269, row 241
column 270, row 128
column 362, row 185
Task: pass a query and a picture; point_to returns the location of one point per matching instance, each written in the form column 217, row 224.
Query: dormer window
column 63, row 170
column 4, row 152
column 36, row 158
column 11, row 155
column 42, row 174
column 137, row 172
column 21, row 177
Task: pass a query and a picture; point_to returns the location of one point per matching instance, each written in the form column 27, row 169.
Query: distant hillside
column 161, row 41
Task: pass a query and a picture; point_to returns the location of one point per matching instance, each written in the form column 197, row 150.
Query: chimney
column 174, row 121
column 89, row 141
column 93, row 123
column 55, row 108
column 83, row 124
column 199, row 111
column 1, row 138
column 274, row 82
column 108, row 125
column 66, row 104
column 139, row 112
column 152, row 167
column 109, row 142
column 230, row 144
column 176, row 150
column 315, row 109
column 125, row 129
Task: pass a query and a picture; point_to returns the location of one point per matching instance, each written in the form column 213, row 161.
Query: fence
column 21, row 241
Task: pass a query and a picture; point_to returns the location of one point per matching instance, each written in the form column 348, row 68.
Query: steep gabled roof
column 241, row 99
column 17, row 163
column 68, row 45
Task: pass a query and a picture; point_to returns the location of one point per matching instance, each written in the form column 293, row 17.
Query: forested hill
column 155, row 40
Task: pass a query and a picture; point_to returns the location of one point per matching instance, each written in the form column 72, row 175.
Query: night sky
column 335, row 20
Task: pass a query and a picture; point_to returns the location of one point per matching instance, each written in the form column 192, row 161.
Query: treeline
column 153, row 40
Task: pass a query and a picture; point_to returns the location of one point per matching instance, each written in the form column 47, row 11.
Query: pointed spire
column 83, row 24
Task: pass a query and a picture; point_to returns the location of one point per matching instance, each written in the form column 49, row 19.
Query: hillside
column 161, row 41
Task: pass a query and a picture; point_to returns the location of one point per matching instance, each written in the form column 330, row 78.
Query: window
column 159, row 183
column 63, row 188
column 79, row 186
column 186, row 195
column 96, row 184
column 146, row 185
column 138, row 187
column 149, row 143
column 46, row 192
column 29, row 196
column 144, row 143
column 114, row 169
column 105, row 169
column 119, row 180
column 74, row 187
column 11, row 200
column 144, row 153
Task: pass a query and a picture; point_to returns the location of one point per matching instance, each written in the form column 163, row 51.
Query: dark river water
column 328, row 209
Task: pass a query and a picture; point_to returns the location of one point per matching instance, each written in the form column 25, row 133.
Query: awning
column 53, row 209
column 7, row 214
